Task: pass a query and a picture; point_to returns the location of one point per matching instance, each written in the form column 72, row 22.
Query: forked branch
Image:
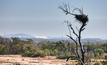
column 73, row 30
column 66, row 9
column 83, row 19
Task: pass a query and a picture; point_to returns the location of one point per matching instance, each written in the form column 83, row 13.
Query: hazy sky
column 43, row 18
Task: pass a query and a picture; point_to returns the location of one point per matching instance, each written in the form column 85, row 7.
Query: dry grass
column 10, row 55
column 17, row 59
column 49, row 60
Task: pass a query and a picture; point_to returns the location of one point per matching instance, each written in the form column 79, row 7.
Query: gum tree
column 82, row 19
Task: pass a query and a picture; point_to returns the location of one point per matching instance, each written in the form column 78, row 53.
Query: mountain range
column 20, row 35
column 41, row 38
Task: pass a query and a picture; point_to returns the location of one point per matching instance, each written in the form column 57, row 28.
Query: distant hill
column 41, row 38
column 94, row 40
column 20, row 35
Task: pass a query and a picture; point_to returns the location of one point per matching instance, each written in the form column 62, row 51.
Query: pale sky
column 43, row 18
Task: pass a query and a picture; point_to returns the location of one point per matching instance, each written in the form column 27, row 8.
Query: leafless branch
column 66, row 9
column 76, row 46
column 68, row 24
column 78, row 57
column 81, row 45
column 80, row 10
column 82, row 18
column 82, row 29
column 69, row 30
column 70, row 27
column 73, row 30
column 71, row 38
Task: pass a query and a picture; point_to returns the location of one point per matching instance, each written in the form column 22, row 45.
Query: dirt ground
column 48, row 60
column 18, row 60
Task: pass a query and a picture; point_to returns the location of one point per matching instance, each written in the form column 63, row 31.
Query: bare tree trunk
column 81, row 45
column 79, row 41
column 83, row 19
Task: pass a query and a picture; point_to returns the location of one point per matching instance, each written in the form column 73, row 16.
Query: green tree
column 105, row 47
column 55, row 51
column 15, row 40
column 106, row 57
column 100, row 51
column 3, row 49
column 27, row 47
column 47, row 52
column 1, row 40
column 96, row 54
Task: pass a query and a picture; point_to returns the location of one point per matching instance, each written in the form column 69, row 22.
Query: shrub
column 97, row 63
column 73, row 58
column 38, row 55
column 100, row 51
column 104, row 62
column 32, row 54
column 106, row 57
column 65, row 57
column 52, row 53
column 18, row 64
column 27, row 54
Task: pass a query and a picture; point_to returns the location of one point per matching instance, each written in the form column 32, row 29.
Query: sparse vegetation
column 97, row 63
column 106, row 57
column 104, row 62
column 61, row 49
column 65, row 57
column 47, row 48
column 32, row 54
column 28, row 54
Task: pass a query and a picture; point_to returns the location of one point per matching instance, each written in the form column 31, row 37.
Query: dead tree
column 82, row 19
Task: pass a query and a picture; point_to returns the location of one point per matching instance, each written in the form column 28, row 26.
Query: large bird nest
column 82, row 18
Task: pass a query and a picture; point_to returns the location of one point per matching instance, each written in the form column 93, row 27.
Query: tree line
column 49, row 48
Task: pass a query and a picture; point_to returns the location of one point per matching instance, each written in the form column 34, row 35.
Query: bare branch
column 73, row 30
column 80, row 38
column 71, row 38
column 76, row 46
column 82, row 29
column 69, row 30
column 68, row 24
column 81, row 11
column 66, row 9
column 78, row 57
column 83, row 19
column 70, row 27
column 81, row 45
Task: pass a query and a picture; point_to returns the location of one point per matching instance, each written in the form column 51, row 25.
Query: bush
column 97, row 63
column 65, row 57
column 73, row 58
column 100, row 51
column 32, row 54
column 27, row 54
column 104, row 62
column 38, row 55
column 52, row 53
column 106, row 57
